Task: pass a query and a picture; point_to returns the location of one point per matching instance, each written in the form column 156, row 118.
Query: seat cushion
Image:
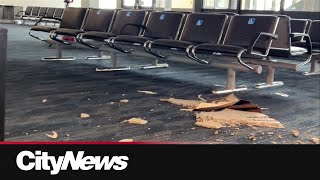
column 132, row 39
column 99, row 36
column 168, row 43
column 315, row 46
column 68, row 32
column 43, row 28
column 210, row 48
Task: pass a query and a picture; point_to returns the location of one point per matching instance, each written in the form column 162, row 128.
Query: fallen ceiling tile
column 229, row 117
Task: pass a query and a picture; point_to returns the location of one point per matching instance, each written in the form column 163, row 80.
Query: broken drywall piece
column 126, row 140
column 54, row 135
column 295, row 133
column 209, row 124
column 204, row 106
column 84, row 115
column 181, row 102
column 137, row 121
column 229, row 117
column 315, row 140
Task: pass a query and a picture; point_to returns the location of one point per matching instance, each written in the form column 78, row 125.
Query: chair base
column 98, row 57
column 311, row 73
column 58, row 58
column 157, row 66
column 265, row 85
column 222, row 90
column 109, row 69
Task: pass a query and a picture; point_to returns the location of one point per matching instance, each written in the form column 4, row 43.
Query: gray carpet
column 72, row 88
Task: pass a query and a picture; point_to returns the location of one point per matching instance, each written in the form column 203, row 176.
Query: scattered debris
column 124, row 101
column 54, row 135
column 187, row 110
column 295, row 133
column 234, row 117
column 282, row 94
column 84, row 115
column 219, row 140
column 126, row 140
column 209, row 124
column 216, row 132
column 44, row 101
column 148, row 92
column 137, row 121
column 204, row 106
column 252, row 137
column 315, row 140
column 201, row 99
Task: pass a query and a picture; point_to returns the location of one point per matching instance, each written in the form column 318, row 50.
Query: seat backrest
column 203, row 28
column 58, row 13
column 28, row 10
column 43, row 11
column 314, row 31
column 164, row 25
column 124, row 18
column 298, row 26
column 98, row 20
column 283, row 31
column 35, row 11
column 73, row 18
column 50, row 12
column 244, row 28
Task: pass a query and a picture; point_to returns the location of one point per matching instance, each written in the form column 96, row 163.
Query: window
column 302, row 5
column 109, row 4
column 146, row 3
column 129, row 3
column 261, row 5
column 182, row 4
column 220, row 4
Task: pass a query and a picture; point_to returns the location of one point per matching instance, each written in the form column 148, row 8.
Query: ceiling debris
column 124, row 101
column 84, row 115
column 54, row 135
column 126, row 140
column 204, row 106
column 295, row 133
column 315, row 140
column 137, row 121
column 230, row 117
column 148, row 92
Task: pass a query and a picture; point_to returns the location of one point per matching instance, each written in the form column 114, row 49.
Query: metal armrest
column 43, row 17
column 254, row 41
column 19, row 12
column 308, row 45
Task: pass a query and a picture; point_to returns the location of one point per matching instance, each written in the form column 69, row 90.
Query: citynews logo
column 42, row 161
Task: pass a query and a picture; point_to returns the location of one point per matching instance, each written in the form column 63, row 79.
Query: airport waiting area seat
column 126, row 22
column 238, row 43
